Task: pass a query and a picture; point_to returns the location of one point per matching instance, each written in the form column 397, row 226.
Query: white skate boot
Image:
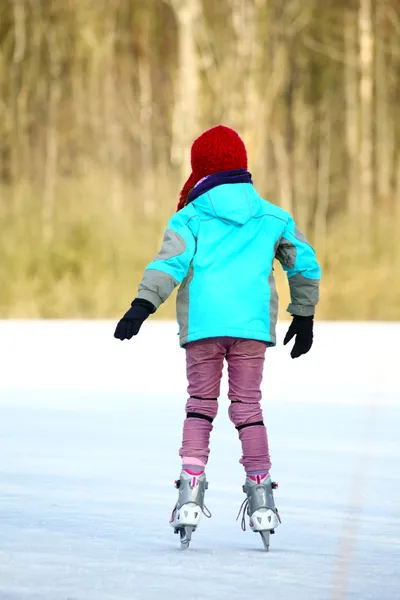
column 190, row 506
column 260, row 507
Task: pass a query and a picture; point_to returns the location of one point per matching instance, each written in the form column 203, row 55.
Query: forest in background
column 101, row 100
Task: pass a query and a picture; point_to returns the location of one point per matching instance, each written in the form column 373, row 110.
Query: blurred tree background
column 101, row 100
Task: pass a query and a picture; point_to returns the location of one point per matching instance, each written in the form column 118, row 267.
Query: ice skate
column 190, row 506
column 260, row 507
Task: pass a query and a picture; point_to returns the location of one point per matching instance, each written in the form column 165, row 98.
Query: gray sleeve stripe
column 304, row 294
column 156, row 286
column 173, row 245
column 301, row 311
column 152, row 297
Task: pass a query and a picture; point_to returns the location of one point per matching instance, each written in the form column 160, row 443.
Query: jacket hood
column 231, row 202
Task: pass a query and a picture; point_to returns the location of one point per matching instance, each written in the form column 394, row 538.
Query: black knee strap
column 240, row 402
column 200, row 398
column 239, row 427
column 196, row 415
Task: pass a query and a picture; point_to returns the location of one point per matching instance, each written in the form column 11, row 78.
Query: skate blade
column 265, row 539
column 186, row 536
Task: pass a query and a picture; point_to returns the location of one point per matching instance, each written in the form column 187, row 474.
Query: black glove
column 302, row 328
column 132, row 321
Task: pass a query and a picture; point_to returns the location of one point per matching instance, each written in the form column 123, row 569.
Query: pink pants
column 204, row 364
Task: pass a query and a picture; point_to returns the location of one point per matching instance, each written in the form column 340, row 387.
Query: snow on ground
column 89, row 431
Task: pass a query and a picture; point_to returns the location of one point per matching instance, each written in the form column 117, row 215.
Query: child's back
column 224, row 243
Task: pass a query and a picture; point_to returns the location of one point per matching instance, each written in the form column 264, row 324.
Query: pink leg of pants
column 204, row 363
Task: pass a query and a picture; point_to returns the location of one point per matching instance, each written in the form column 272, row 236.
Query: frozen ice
column 89, row 432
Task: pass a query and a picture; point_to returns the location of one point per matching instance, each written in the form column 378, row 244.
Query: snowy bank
column 350, row 362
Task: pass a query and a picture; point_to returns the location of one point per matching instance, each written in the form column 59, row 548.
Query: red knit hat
column 217, row 149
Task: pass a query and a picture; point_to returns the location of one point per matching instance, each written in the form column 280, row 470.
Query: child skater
column 219, row 248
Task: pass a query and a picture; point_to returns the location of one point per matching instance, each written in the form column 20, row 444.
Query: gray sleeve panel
column 286, row 253
column 173, row 245
column 304, row 295
column 156, row 286
column 273, row 306
column 299, row 236
column 182, row 306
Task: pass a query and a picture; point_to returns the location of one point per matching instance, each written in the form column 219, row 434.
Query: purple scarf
column 207, row 183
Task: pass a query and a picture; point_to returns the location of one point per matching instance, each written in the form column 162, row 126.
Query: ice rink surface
column 89, row 433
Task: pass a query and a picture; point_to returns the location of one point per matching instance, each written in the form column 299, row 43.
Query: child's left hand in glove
column 302, row 328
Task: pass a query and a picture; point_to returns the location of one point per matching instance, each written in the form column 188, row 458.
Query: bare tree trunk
column 275, row 162
column 284, row 170
column 323, row 187
column 303, row 117
column 243, row 90
column 352, row 111
column 265, row 78
column 186, row 109
column 236, row 85
column 17, row 135
column 95, row 95
column 249, row 103
column 146, row 115
column 50, row 171
column 384, row 132
column 113, row 149
column 366, row 111
column 303, row 165
column 282, row 125
column 393, row 75
column 397, row 194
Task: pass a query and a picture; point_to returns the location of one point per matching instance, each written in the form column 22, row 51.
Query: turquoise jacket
column 220, row 249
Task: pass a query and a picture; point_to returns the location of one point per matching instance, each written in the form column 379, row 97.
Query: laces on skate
column 244, row 508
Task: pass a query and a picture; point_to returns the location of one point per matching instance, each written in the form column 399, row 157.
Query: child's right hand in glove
column 132, row 320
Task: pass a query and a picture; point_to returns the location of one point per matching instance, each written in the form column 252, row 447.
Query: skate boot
column 260, row 507
column 190, row 506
